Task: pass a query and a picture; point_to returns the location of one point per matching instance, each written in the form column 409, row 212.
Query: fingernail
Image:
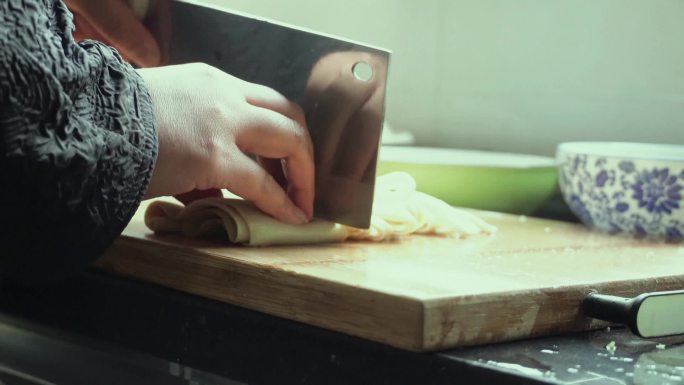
column 300, row 216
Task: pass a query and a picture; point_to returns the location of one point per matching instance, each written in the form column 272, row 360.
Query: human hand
column 208, row 121
column 142, row 39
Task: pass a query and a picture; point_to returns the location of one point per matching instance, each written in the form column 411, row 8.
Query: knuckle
column 205, row 70
column 216, row 151
column 299, row 136
column 212, row 148
column 298, row 112
column 216, row 112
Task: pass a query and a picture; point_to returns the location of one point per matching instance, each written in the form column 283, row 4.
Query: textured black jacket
column 77, row 143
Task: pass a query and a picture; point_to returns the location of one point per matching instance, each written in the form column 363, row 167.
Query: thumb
column 117, row 23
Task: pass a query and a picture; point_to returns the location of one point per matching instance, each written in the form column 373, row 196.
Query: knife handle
column 648, row 315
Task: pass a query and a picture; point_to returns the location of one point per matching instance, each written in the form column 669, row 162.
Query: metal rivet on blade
column 362, row 71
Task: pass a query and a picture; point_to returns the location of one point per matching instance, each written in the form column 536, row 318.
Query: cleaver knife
column 339, row 84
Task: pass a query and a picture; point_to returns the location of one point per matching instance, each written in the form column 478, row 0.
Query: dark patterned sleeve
column 78, row 144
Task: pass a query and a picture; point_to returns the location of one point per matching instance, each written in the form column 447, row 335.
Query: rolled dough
column 398, row 210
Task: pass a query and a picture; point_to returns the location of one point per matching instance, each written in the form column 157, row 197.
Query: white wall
column 516, row 75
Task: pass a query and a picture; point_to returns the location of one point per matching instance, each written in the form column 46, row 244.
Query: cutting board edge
column 168, row 265
column 566, row 317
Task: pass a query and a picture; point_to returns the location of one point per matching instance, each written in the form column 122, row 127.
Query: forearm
column 78, row 145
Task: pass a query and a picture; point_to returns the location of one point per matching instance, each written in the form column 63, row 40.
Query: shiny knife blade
column 340, row 84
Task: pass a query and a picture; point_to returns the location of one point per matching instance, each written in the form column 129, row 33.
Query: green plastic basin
column 504, row 182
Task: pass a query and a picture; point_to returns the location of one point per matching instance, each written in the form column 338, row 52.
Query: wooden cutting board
column 422, row 293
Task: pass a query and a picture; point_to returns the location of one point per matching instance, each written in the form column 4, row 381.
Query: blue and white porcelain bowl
column 634, row 188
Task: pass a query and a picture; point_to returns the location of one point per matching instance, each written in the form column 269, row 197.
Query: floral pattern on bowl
column 643, row 197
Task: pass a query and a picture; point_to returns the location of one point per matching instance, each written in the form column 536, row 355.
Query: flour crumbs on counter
column 622, row 359
column 611, row 348
column 661, row 346
column 517, row 367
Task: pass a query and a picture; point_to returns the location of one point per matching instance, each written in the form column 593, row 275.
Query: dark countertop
column 101, row 329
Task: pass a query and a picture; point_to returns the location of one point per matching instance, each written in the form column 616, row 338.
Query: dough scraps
column 398, row 210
